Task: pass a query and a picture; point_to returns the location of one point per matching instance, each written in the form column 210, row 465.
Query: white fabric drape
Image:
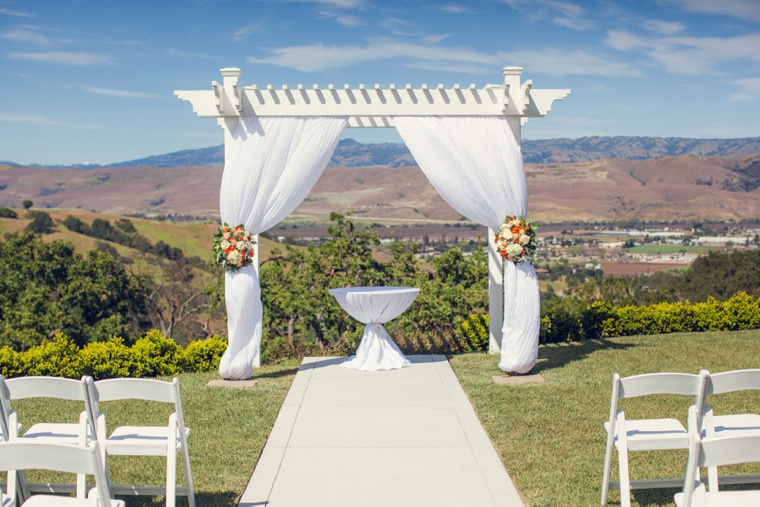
column 476, row 166
column 270, row 166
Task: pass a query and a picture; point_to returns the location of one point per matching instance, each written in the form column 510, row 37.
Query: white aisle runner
column 406, row 437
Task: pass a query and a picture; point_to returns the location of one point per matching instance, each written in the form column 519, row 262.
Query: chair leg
column 607, row 467
column 625, row 479
column 188, row 477
column 171, row 478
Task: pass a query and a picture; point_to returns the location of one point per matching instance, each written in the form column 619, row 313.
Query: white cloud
column 688, row 55
column 246, row 31
column 559, row 12
column 25, row 36
column 558, row 62
column 434, row 39
column 750, row 89
column 184, row 54
column 554, row 62
column 63, row 57
column 398, row 26
column 665, row 27
column 344, row 4
column 341, row 19
column 742, row 9
column 456, row 9
column 17, row 14
column 121, row 93
column 47, row 122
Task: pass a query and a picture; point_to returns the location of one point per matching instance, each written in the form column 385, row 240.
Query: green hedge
column 601, row 320
column 151, row 356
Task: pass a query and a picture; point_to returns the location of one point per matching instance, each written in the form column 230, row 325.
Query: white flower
column 524, row 239
column 225, row 244
column 514, row 250
column 241, row 245
column 234, row 257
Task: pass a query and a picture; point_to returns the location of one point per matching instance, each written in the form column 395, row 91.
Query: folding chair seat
column 715, row 452
column 166, row 440
column 79, row 433
column 628, row 435
column 21, row 455
column 726, row 425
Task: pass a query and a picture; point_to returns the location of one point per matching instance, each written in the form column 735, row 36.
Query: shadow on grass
column 654, row 497
column 275, row 374
column 559, row 355
column 220, row 499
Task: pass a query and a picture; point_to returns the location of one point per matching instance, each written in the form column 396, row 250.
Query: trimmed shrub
column 109, row 359
column 203, row 355
column 10, row 362
column 473, row 333
column 157, row 355
column 56, row 358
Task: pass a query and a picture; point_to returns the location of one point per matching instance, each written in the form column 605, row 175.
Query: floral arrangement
column 233, row 247
column 516, row 239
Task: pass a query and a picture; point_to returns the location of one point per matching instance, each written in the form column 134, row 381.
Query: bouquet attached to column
column 516, row 243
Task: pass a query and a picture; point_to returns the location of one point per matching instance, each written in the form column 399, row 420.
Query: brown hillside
column 669, row 188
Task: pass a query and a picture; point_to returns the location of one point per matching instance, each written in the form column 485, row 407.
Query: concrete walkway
column 405, row 437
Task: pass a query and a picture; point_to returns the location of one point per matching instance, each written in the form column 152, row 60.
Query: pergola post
column 375, row 107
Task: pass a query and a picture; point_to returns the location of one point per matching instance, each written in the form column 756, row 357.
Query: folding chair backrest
column 716, row 452
column 18, row 455
column 47, row 387
column 141, row 389
column 661, row 383
column 731, row 381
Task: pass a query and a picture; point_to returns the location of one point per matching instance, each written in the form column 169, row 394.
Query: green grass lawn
column 550, row 435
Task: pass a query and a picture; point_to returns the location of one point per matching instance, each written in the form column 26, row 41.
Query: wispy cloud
column 691, row 56
column 246, row 31
column 558, row 12
column 561, row 62
column 125, row 94
column 399, row 27
column 750, row 89
column 185, row 54
column 554, row 62
column 345, row 4
column 341, row 19
column 47, row 122
column 25, row 36
column 456, row 9
column 17, row 14
column 64, row 57
column 742, row 9
column 665, row 27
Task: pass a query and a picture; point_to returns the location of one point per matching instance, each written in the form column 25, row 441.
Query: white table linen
column 375, row 306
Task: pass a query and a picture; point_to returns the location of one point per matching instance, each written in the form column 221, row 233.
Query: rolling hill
column 682, row 187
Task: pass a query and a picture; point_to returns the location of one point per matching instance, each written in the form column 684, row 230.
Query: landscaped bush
column 152, row 355
column 601, row 320
column 474, row 333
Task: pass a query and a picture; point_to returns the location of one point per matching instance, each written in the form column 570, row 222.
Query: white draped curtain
column 476, row 166
column 270, row 165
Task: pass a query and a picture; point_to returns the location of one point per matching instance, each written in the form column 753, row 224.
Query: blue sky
column 92, row 81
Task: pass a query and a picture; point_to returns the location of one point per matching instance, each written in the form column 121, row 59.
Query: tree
column 47, row 288
column 27, row 204
column 41, row 223
column 7, row 213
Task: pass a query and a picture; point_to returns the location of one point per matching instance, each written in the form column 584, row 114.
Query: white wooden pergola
column 375, row 107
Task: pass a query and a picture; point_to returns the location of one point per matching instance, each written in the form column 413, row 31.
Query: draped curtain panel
column 476, row 166
column 270, row 166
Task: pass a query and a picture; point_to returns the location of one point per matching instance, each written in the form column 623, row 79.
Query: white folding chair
column 21, row 455
column 717, row 452
column 726, row 425
column 80, row 433
column 166, row 440
column 648, row 434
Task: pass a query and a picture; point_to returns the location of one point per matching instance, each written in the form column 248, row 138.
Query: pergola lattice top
column 373, row 107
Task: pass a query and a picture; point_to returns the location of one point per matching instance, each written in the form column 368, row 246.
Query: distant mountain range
column 351, row 153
